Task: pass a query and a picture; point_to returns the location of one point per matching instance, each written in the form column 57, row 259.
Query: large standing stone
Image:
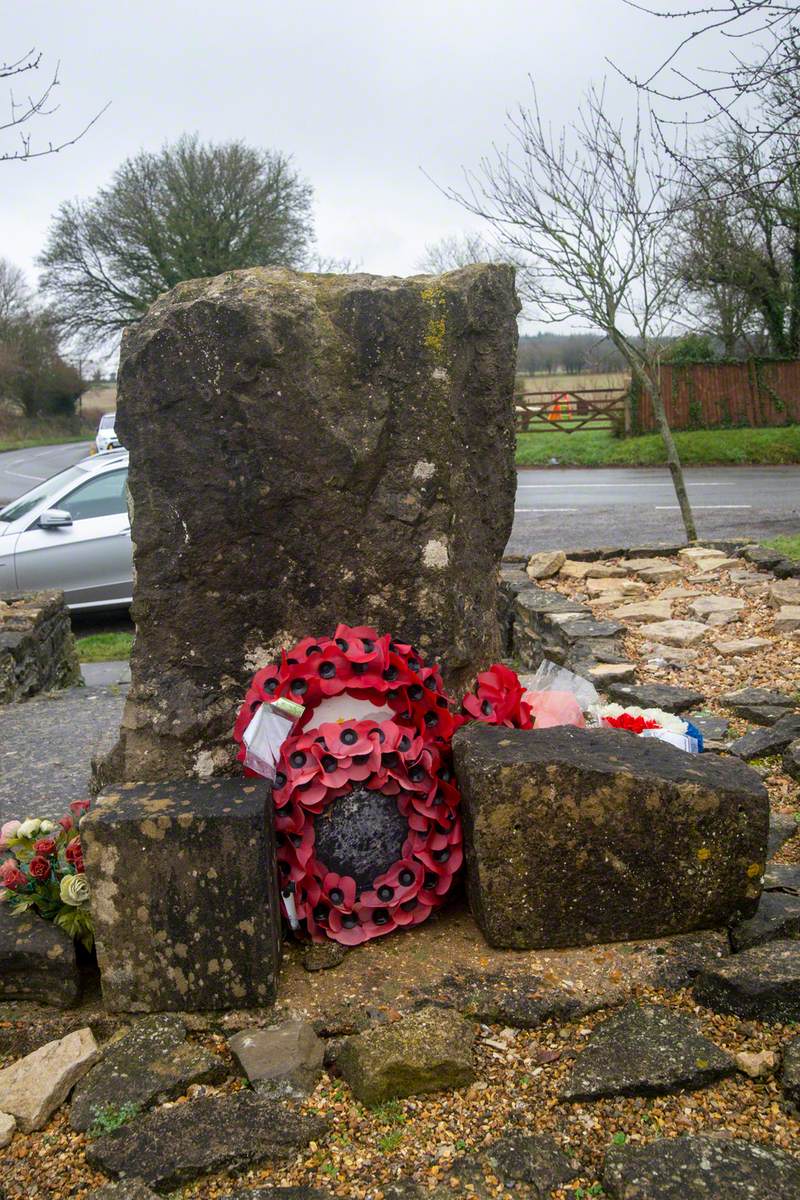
column 184, row 895
column 645, row 1050
column 700, row 1167
column 37, row 960
column 426, row 1052
column 151, row 1063
column 574, row 836
column 307, row 450
column 32, row 1088
column 173, row 1145
column 761, row 984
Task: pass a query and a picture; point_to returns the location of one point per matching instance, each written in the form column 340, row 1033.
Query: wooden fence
column 722, row 395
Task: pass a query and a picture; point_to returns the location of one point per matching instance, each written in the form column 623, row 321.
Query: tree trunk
column 653, row 389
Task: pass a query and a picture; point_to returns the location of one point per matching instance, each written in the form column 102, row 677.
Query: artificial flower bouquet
column 652, row 722
column 44, row 871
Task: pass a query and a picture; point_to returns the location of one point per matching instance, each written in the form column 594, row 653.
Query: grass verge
column 697, row 448
column 104, row 647
column 51, row 439
column 788, row 544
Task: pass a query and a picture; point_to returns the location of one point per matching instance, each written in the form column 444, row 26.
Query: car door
column 91, row 559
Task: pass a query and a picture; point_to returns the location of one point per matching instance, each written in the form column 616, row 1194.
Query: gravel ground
column 519, row 1072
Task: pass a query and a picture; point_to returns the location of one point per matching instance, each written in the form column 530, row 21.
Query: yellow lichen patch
column 704, row 853
column 754, row 869
column 436, row 328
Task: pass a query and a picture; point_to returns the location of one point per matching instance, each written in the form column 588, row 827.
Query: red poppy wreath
column 366, row 803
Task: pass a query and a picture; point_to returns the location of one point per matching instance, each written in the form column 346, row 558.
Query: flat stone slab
column 172, row 1146
column 534, row 1159
column 37, row 960
column 656, row 695
column 645, row 1051
column 8, row 1125
column 279, row 1193
column 578, row 836
column 199, row 861
column 700, row 1167
column 541, row 600
column 713, row 729
column 784, row 593
column 745, row 701
column 741, row 646
column 545, row 564
column 761, row 743
column 782, row 826
column 706, row 606
column 788, row 619
column 762, row 557
column 777, row 917
column 32, row 1088
column 152, row 1063
column 761, row 984
column 790, row 1072
column 427, row 1052
column 287, row 1056
column 648, row 610
column 125, row 1189
column 791, row 759
column 674, row 633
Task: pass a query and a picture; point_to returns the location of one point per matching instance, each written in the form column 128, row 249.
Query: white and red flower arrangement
column 44, row 871
column 376, row 717
column 651, row 722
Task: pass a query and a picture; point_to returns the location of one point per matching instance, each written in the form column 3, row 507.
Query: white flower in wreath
column 29, row 828
column 75, row 890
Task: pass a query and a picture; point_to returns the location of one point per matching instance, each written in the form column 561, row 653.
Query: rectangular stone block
column 184, row 895
column 576, row 836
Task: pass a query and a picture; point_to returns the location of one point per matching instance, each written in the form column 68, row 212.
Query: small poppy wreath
column 319, row 766
column 359, row 664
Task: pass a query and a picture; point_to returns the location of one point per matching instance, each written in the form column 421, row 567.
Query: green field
column 704, row 447
column 104, row 647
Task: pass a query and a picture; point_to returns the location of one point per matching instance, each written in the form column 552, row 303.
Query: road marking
column 676, row 507
column 19, row 475
column 546, row 487
column 548, row 510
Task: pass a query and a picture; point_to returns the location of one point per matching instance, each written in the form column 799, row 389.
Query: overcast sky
column 365, row 94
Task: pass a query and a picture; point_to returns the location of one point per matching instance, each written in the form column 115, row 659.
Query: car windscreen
column 22, row 506
column 107, row 422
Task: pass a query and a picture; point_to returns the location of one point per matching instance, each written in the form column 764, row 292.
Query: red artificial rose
column 66, row 822
column 39, row 867
column 74, row 854
column 79, row 807
column 11, row 876
column 45, row 846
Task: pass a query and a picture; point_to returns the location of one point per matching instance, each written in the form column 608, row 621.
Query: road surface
column 568, row 508
column 21, row 470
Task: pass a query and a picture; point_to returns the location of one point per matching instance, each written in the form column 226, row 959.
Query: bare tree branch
column 21, row 113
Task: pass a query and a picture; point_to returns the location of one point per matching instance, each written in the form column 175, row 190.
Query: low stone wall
column 37, row 649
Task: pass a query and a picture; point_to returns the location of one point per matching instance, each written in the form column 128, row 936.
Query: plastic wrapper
column 270, row 727
column 559, row 697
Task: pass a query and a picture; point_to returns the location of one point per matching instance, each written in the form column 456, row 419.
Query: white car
column 72, row 532
column 106, row 437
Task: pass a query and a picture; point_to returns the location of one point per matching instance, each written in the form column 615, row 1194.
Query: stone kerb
column 184, row 895
column 577, row 836
column 37, row 649
column 308, row 450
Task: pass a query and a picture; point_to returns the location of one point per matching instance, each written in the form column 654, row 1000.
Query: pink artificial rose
column 7, row 831
column 79, row 807
column 66, row 822
column 554, row 708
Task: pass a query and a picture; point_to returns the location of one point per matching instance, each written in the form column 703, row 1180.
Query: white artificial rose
column 46, row 827
column 29, row 828
column 75, row 890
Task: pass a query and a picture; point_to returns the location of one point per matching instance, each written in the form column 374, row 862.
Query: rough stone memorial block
column 37, row 649
column 308, row 450
column 574, row 836
column 184, row 895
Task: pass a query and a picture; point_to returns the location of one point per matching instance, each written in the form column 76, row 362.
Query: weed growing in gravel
column 390, row 1113
column 111, row 1117
column 390, row 1141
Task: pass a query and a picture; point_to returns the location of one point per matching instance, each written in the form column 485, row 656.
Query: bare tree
column 754, row 89
column 36, row 104
column 15, row 295
column 457, row 250
column 589, row 212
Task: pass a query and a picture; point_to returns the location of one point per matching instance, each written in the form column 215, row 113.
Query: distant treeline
column 547, row 353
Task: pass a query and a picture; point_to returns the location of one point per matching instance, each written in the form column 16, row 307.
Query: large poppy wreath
column 366, row 803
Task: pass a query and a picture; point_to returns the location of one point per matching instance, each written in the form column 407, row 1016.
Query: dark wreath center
column 361, row 835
